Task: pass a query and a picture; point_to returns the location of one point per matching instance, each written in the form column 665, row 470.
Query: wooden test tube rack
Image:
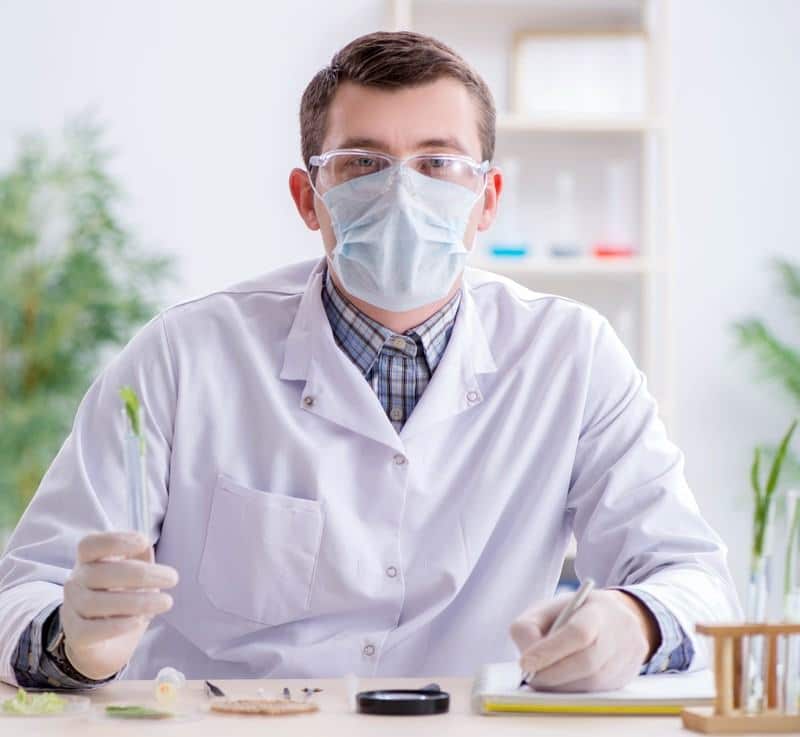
column 727, row 715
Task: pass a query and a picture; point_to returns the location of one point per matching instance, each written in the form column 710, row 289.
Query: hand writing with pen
column 597, row 645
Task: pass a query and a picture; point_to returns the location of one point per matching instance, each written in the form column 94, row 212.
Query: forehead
column 440, row 114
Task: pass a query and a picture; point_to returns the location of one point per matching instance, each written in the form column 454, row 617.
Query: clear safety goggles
column 340, row 166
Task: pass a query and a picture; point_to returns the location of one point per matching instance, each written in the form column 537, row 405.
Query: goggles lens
column 339, row 167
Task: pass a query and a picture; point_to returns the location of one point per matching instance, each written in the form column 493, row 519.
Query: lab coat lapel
column 454, row 388
column 335, row 390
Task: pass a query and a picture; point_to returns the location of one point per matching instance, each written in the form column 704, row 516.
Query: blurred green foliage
column 779, row 361
column 73, row 282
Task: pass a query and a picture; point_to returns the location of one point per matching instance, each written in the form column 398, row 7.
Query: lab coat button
column 399, row 459
column 369, row 650
column 308, row 401
column 473, row 397
column 391, row 571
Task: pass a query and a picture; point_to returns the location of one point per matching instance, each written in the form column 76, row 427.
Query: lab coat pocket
column 260, row 552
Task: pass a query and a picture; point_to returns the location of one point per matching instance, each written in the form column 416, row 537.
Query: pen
column 564, row 616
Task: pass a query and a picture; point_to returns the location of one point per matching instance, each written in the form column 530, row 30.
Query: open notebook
column 495, row 691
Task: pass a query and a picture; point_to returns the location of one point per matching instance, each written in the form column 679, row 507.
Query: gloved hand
column 109, row 599
column 601, row 647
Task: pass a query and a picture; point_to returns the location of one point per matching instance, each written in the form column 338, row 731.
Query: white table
column 334, row 717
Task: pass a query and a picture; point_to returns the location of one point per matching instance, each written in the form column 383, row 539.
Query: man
column 371, row 463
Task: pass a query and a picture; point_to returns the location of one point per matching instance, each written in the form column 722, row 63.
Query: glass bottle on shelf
column 565, row 244
column 506, row 238
column 618, row 236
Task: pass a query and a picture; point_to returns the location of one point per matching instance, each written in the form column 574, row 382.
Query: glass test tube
column 135, row 473
column 791, row 606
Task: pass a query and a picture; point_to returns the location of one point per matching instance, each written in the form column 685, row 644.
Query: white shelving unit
column 636, row 288
column 512, row 122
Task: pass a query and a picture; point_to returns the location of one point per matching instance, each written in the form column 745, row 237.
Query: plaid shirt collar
column 363, row 339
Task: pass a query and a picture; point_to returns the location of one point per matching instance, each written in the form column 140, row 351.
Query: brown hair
column 391, row 60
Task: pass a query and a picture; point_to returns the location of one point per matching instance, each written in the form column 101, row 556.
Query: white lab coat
column 313, row 540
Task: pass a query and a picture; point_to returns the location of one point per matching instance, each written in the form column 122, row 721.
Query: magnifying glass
column 429, row 699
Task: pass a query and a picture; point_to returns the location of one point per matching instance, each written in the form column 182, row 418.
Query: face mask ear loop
column 334, row 222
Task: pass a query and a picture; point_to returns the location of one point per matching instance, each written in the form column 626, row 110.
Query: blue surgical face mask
column 399, row 236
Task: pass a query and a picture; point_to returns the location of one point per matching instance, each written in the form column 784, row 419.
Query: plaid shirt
column 676, row 651
column 398, row 368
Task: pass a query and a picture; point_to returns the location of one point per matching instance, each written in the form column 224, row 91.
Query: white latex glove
column 601, row 647
column 109, row 599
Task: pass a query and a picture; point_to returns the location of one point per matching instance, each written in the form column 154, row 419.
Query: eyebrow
column 428, row 143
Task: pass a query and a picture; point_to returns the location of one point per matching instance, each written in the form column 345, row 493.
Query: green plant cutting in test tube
column 133, row 410
column 135, row 466
column 763, row 497
column 753, row 690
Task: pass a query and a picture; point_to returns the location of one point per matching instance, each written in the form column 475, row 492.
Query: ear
column 491, row 196
column 303, row 196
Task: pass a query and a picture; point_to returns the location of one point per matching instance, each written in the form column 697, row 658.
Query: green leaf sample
column 34, row 704
column 135, row 711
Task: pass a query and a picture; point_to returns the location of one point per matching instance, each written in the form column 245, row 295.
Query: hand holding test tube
column 116, row 587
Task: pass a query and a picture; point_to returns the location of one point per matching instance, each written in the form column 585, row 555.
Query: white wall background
column 201, row 103
column 735, row 194
column 201, row 99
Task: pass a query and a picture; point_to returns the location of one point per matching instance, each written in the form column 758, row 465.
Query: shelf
column 513, row 123
column 564, row 267
column 543, row 13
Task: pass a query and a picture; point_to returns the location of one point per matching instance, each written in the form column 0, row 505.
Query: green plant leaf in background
column 74, row 282
column 779, row 361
